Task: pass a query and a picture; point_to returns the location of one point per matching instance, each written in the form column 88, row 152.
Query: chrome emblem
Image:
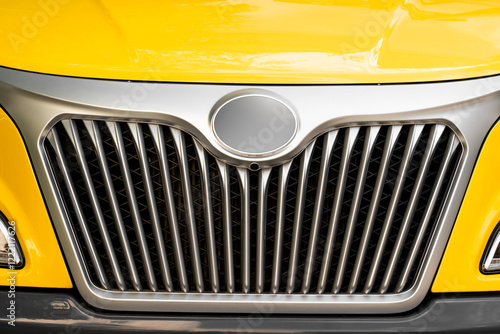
column 253, row 123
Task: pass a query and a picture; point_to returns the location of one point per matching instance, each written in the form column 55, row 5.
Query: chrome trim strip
column 207, row 214
column 280, row 222
column 489, row 262
column 305, row 162
column 261, row 229
column 9, row 249
column 180, row 148
column 244, row 178
column 227, row 223
column 318, row 107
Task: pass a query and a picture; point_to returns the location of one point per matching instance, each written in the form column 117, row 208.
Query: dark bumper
column 44, row 312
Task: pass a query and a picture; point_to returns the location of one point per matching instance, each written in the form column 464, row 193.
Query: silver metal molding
column 490, row 263
column 36, row 102
column 11, row 254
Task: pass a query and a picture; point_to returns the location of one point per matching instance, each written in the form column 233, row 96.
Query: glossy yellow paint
column 254, row 41
column 478, row 216
column 21, row 201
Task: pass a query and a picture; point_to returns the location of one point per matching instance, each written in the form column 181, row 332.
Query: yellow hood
column 259, row 41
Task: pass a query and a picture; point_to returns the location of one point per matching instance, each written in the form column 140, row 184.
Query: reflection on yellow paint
column 255, row 41
column 258, row 41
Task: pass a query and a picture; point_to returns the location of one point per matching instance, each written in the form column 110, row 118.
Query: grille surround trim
column 51, row 108
column 294, row 303
column 314, row 303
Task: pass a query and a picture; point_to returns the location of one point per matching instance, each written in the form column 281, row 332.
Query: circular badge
column 253, row 124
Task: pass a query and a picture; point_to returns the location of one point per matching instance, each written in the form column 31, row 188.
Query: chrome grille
column 152, row 210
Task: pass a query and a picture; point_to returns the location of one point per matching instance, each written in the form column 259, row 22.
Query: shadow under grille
column 152, row 210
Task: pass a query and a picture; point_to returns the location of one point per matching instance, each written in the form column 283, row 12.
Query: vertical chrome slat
column 349, row 140
column 434, row 136
column 264, row 175
column 411, row 143
column 227, row 222
column 305, row 162
column 74, row 136
column 180, row 147
column 438, row 183
column 159, row 140
column 116, row 134
column 138, row 135
column 280, row 222
column 328, row 143
column 390, row 142
column 209, row 220
column 370, row 137
column 53, row 139
column 95, row 135
column 244, row 178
